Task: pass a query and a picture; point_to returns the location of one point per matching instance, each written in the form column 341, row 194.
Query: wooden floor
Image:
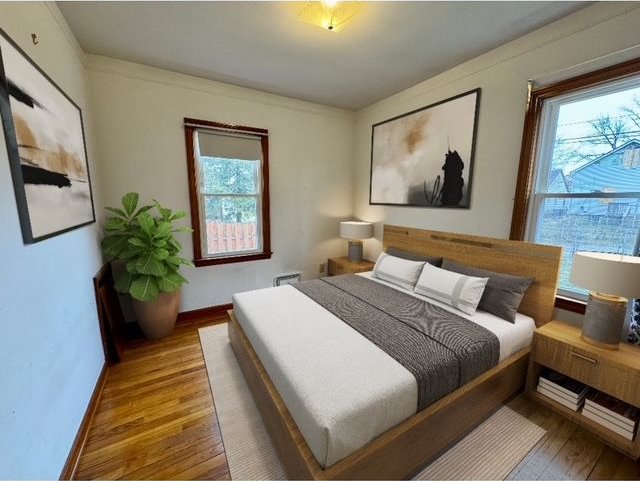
column 156, row 420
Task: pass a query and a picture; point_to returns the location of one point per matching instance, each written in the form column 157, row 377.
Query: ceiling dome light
column 330, row 14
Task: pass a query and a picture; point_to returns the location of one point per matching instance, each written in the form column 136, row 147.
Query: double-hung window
column 579, row 183
column 229, row 190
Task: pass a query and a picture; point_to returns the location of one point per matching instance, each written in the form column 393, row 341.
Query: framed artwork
column 45, row 142
column 424, row 158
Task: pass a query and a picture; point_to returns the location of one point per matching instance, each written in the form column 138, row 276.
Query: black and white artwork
column 45, row 143
column 424, row 158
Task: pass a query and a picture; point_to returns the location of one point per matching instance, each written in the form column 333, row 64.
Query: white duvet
column 341, row 389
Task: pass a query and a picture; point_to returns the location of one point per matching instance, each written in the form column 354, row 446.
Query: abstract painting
column 46, row 147
column 424, row 158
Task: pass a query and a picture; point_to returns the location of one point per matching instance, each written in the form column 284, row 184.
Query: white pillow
column 401, row 272
column 457, row 290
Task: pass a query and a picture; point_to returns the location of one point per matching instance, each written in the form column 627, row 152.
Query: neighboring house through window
column 229, row 190
column 579, row 181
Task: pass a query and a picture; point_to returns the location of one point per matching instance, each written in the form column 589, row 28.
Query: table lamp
column 612, row 280
column 356, row 231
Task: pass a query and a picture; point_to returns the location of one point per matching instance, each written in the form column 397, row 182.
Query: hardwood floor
column 567, row 451
column 157, row 420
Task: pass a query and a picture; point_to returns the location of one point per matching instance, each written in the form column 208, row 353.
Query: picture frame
column 46, row 146
column 425, row 158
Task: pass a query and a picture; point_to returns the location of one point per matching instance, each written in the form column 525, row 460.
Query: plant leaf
column 142, row 209
column 160, row 254
column 144, row 288
column 147, row 264
column 146, row 223
column 130, row 202
column 118, row 212
column 131, row 252
column 170, row 282
column 123, row 284
column 174, row 244
column 173, row 260
column 178, row 276
column 137, row 242
column 165, row 213
column 112, row 245
column 115, row 223
column 164, row 228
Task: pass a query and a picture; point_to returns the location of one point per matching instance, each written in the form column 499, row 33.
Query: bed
column 337, row 407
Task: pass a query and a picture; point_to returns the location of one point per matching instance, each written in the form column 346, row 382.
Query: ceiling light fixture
column 330, row 15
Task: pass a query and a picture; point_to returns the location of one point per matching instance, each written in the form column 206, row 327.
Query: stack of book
column 613, row 414
column 562, row 389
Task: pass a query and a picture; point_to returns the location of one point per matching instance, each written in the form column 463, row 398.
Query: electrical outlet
column 321, row 269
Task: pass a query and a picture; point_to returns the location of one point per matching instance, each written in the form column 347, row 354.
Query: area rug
column 491, row 451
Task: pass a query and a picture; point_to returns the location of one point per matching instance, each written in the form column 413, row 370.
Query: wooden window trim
column 524, row 182
column 569, row 304
column 531, row 131
column 190, row 126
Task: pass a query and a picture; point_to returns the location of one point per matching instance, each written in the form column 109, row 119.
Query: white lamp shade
column 613, row 274
column 355, row 230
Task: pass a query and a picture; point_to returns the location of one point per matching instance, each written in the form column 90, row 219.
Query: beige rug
column 491, row 451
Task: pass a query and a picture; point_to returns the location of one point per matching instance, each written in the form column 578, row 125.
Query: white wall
column 139, row 112
column 502, row 74
column 592, row 38
column 50, row 353
column 50, row 349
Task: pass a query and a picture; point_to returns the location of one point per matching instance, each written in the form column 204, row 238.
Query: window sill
column 231, row 260
column 572, row 305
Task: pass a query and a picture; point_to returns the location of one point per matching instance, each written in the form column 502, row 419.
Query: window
column 579, row 181
column 229, row 191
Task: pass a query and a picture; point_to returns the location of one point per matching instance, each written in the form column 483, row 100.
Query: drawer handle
column 586, row 358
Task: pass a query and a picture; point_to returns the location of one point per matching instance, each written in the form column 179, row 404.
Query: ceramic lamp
column 612, row 280
column 356, row 232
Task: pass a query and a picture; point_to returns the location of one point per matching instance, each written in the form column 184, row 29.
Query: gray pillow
column 410, row 256
column 503, row 293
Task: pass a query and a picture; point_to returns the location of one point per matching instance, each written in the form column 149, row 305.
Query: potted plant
column 143, row 240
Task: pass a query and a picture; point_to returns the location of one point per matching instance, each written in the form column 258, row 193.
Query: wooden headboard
column 542, row 262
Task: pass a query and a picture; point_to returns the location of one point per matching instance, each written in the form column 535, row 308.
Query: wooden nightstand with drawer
column 342, row 265
column 558, row 346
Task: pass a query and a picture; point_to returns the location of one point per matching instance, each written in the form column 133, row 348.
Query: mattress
column 341, row 389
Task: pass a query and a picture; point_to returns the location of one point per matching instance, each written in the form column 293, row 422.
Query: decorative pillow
column 410, row 256
column 400, row 272
column 457, row 290
column 503, row 293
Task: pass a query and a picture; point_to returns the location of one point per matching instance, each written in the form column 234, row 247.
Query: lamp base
column 604, row 320
column 355, row 251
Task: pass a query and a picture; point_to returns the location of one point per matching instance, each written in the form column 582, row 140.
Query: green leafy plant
column 144, row 240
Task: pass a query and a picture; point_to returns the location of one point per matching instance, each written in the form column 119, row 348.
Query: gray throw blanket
column 441, row 349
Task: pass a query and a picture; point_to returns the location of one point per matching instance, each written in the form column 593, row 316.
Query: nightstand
column 558, row 346
column 342, row 265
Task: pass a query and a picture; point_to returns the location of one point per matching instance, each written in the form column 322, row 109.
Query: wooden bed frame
column 403, row 450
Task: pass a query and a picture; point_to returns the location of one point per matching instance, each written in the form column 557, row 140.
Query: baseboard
column 204, row 313
column 70, row 467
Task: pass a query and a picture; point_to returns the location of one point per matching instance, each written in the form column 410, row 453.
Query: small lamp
column 612, row 280
column 356, row 231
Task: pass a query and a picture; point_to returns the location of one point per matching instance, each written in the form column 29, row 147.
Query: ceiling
column 263, row 45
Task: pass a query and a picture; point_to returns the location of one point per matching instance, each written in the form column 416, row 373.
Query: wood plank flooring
column 157, row 420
